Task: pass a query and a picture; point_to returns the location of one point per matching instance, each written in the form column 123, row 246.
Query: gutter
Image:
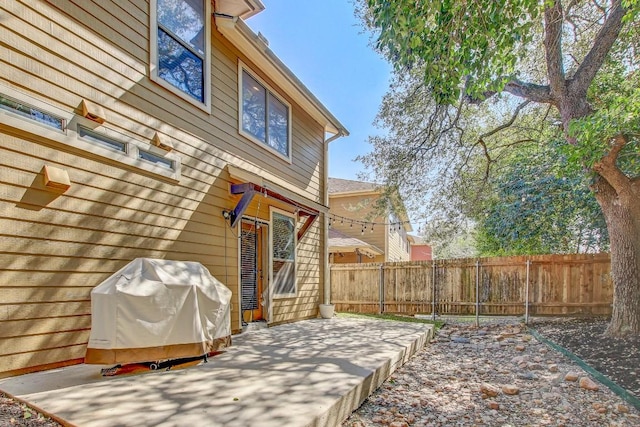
column 325, row 235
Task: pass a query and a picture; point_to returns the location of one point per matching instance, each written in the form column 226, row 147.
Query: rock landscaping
column 495, row 375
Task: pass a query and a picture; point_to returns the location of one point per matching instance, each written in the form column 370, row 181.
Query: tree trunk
column 621, row 210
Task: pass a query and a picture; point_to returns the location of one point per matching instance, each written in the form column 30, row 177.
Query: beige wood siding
column 398, row 246
column 359, row 207
column 54, row 248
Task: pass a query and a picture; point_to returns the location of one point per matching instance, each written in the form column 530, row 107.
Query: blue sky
column 324, row 45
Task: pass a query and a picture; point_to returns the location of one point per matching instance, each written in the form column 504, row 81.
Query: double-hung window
column 264, row 116
column 180, row 48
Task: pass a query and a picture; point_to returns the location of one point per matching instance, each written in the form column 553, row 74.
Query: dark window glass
column 185, row 19
column 158, row 160
column 180, row 67
column 253, row 107
column 278, row 125
column 101, row 139
column 264, row 116
column 181, row 49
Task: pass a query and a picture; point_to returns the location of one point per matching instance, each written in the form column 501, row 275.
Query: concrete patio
column 310, row 373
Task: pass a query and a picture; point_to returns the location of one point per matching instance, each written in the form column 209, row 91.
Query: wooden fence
column 522, row 285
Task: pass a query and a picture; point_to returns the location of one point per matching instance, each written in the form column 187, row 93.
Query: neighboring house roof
column 340, row 242
column 256, row 48
column 340, row 186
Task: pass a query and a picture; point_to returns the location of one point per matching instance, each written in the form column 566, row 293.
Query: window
column 283, row 254
column 264, row 117
column 180, row 48
column 101, row 139
column 150, row 157
column 20, row 110
column 31, row 112
column 109, row 143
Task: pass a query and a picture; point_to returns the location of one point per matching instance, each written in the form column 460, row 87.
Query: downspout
column 325, row 235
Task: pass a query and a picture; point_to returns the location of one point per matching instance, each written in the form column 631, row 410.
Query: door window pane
column 283, row 254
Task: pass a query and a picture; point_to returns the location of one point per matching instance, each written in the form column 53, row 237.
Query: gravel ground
column 499, row 375
column 466, row 377
column 13, row 413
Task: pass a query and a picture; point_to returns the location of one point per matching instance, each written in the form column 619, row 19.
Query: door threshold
column 255, row 325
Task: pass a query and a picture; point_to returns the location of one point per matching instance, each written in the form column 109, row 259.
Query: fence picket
column 535, row 285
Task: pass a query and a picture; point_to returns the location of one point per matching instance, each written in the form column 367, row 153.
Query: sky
column 324, row 45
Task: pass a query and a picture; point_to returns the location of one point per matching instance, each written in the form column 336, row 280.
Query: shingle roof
column 337, row 185
column 340, row 242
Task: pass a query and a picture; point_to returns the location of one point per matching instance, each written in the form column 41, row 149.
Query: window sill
column 69, row 137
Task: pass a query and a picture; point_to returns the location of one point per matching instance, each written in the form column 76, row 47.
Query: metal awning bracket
column 249, row 189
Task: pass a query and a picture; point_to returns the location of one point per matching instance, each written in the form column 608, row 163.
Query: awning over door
column 249, row 189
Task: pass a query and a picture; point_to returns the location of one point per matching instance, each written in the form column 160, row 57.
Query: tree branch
column 504, row 125
column 602, row 44
column 608, row 169
column 531, row 91
column 553, row 48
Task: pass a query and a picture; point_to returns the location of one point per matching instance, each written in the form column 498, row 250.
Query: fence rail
column 532, row 285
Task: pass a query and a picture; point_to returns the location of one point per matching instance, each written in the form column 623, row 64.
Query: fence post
column 526, row 296
column 433, row 285
column 477, row 293
column 381, row 289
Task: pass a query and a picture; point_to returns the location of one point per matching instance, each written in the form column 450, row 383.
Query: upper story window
column 264, row 117
column 180, row 40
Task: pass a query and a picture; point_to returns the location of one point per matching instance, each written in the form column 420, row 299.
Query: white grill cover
column 154, row 309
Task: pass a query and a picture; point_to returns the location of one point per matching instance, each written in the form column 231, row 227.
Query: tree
column 531, row 209
column 578, row 58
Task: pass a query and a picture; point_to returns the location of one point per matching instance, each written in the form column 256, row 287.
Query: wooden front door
column 254, row 298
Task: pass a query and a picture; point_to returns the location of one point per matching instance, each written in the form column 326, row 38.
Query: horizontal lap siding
column 55, row 248
column 359, row 208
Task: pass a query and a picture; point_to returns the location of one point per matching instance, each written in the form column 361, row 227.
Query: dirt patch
column 616, row 358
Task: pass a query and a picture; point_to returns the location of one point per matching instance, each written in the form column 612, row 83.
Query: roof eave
column 255, row 48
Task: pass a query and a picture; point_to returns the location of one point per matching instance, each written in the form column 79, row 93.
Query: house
column 360, row 231
column 158, row 129
column 420, row 251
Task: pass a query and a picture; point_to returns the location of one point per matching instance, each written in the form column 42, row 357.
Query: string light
column 370, row 225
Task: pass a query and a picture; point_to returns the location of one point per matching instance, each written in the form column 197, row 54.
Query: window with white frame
column 32, row 113
column 283, row 253
column 20, row 110
column 180, row 47
column 264, row 116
